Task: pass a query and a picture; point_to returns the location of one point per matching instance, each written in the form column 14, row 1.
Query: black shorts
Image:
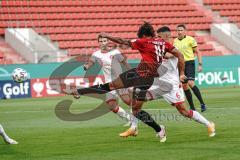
column 190, row 70
column 131, row 78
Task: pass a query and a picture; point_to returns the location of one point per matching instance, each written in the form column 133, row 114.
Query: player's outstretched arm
column 116, row 39
column 181, row 64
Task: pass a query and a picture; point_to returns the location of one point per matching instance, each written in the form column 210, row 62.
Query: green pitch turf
column 41, row 135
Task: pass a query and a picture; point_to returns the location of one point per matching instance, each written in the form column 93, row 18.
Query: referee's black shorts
column 131, row 78
column 190, row 70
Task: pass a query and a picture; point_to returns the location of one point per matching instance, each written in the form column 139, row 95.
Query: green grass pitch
column 41, row 135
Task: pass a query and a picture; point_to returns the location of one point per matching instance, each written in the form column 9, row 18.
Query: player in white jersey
column 110, row 59
column 5, row 136
column 168, row 84
column 169, row 87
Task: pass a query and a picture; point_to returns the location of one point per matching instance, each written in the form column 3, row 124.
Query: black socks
column 189, row 99
column 148, row 120
column 99, row 89
column 197, row 94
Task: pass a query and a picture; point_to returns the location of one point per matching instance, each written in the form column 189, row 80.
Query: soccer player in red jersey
column 169, row 87
column 152, row 50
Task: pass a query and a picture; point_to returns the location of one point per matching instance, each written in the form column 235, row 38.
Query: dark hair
column 99, row 37
column 163, row 29
column 146, row 29
column 181, row 25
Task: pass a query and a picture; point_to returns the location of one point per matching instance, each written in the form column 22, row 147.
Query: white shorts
column 172, row 93
column 113, row 95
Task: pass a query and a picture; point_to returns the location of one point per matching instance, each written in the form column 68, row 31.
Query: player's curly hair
column 146, row 29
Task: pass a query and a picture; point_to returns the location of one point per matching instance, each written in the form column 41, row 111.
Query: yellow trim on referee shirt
column 185, row 46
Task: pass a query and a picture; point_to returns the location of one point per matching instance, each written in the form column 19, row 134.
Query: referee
column 187, row 45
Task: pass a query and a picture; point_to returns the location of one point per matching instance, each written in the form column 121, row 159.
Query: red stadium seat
column 211, row 53
column 225, row 7
column 1, row 55
column 230, row 8
column 75, row 24
column 221, row 2
column 2, row 31
column 205, row 47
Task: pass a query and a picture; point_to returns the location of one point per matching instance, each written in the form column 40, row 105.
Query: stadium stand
column 228, row 9
column 74, row 25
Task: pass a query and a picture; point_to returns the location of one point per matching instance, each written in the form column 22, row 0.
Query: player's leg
column 125, row 96
column 111, row 100
column 139, row 95
column 124, row 80
column 5, row 136
column 133, row 122
column 98, row 89
column 188, row 95
column 176, row 98
column 190, row 74
column 181, row 107
column 156, row 91
column 146, row 118
column 197, row 93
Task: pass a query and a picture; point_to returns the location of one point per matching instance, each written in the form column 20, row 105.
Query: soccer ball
column 19, row 75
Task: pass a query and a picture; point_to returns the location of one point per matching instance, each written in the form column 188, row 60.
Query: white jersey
column 168, row 71
column 168, row 84
column 110, row 63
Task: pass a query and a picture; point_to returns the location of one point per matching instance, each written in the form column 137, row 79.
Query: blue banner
column 10, row 89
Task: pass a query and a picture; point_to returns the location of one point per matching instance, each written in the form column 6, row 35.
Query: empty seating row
column 96, row 9
column 93, row 36
column 230, row 12
column 225, row 7
column 116, row 15
column 211, row 53
column 230, row 8
column 74, row 24
column 102, row 22
column 98, row 29
column 221, row 2
column 88, row 2
column 234, row 18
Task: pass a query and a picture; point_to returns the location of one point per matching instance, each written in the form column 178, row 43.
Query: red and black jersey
column 152, row 50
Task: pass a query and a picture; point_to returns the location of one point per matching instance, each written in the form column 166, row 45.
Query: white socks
column 200, row 119
column 131, row 118
column 3, row 134
column 134, row 122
